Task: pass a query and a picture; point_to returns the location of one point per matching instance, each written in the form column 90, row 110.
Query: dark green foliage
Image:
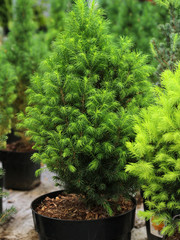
column 7, row 94
column 157, row 149
column 40, row 9
column 5, row 14
column 135, row 19
column 82, row 104
column 23, row 49
column 167, row 51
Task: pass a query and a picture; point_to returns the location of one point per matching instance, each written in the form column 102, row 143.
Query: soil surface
column 72, row 207
column 20, row 146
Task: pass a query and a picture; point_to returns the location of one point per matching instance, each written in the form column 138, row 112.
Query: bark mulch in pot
column 71, row 207
column 19, row 146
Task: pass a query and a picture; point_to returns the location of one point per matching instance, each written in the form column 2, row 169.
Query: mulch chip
column 72, row 207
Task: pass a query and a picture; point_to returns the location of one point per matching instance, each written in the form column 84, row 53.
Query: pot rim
column 78, row 221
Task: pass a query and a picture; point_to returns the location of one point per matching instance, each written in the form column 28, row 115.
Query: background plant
column 40, row 10
column 24, row 49
column 8, row 212
column 157, row 149
column 135, row 19
column 7, row 97
column 166, row 51
column 8, row 82
column 6, row 14
column 81, row 106
column 58, row 11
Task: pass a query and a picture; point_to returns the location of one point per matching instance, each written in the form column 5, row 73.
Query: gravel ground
column 20, row 226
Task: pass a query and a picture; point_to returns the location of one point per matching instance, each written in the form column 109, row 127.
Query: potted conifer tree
column 79, row 115
column 8, row 95
column 166, row 54
column 23, row 50
column 157, row 150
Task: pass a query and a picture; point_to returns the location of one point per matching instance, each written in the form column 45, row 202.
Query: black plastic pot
column 11, row 137
column 112, row 228
column 1, row 186
column 19, row 170
column 150, row 235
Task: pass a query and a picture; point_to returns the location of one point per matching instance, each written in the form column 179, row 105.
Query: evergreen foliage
column 135, row 19
column 7, row 97
column 7, row 94
column 157, row 149
column 40, row 10
column 23, row 49
column 167, row 51
column 5, row 14
column 57, row 19
column 81, row 107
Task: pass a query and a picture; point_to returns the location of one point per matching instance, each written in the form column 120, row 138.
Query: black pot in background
column 112, row 228
column 1, row 186
column 19, row 170
column 150, row 236
column 11, row 137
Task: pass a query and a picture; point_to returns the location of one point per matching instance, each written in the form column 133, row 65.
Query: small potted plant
column 4, row 214
column 23, row 50
column 157, row 150
column 79, row 115
column 7, row 97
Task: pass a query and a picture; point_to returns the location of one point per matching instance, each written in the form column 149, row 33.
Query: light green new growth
column 157, row 149
column 167, row 3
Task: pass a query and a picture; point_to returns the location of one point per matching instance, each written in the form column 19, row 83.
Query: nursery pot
column 19, row 170
column 111, row 228
column 1, row 186
column 153, row 232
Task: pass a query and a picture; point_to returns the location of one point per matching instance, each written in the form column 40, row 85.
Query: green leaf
column 93, row 165
column 72, row 168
